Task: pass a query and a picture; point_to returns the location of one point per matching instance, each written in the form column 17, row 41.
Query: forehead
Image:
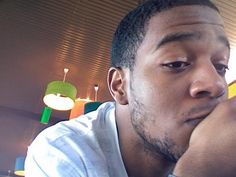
column 202, row 22
column 186, row 15
column 182, row 17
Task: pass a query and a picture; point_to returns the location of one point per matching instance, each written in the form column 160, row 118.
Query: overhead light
column 83, row 106
column 96, row 87
column 78, row 109
column 20, row 166
column 60, row 95
column 92, row 106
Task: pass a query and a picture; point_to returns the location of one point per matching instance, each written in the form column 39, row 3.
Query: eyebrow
column 176, row 37
column 183, row 36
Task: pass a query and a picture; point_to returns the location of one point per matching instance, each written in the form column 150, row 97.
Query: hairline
column 141, row 33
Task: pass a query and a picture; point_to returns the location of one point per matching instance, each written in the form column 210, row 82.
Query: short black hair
column 132, row 29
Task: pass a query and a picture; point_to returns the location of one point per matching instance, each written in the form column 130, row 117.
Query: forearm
column 205, row 164
column 191, row 166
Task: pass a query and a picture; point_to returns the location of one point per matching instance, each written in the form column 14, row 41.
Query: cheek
column 162, row 107
column 157, row 103
column 164, row 101
column 158, row 95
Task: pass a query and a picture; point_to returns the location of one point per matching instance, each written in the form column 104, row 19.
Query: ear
column 117, row 84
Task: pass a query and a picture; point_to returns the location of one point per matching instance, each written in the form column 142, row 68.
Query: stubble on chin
column 164, row 146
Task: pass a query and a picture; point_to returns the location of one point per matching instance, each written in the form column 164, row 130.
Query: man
column 170, row 116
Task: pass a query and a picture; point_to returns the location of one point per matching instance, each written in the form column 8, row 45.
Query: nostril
column 201, row 94
column 205, row 93
column 222, row 93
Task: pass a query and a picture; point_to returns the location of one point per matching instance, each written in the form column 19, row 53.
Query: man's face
column 178, row 77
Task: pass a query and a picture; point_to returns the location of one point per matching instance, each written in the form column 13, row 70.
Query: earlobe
column 117, row 85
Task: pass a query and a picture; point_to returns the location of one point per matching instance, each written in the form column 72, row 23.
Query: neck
column 139, row 161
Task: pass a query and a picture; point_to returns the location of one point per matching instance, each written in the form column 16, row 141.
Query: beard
column 157, row 146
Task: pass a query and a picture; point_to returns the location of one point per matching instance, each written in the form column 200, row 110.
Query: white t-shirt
column 87, row 146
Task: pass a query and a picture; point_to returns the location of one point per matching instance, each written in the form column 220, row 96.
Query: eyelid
column 175, row 60
column 222, row 70
column 178, row 59
column 176, row 66
column 222, row 64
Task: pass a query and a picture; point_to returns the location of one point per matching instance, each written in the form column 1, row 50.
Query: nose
column 207, row 83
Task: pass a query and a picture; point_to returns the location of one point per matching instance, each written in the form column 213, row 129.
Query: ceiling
column 41, row 38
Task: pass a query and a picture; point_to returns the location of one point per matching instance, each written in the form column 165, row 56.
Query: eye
column 176, row 66
column 221, row 68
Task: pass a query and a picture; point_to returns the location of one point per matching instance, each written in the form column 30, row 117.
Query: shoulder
column 73, row 142
column 79, row 127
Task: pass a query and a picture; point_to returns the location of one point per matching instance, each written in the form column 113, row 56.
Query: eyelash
column 179, row 66
column 176, row 66
column 221, row 69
